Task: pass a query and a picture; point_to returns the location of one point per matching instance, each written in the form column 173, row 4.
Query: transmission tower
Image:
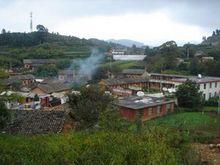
column 31, row 23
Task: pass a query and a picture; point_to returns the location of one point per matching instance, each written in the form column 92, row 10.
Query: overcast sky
column 147, row 21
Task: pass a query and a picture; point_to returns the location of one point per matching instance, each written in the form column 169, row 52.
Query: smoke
column 85, row 68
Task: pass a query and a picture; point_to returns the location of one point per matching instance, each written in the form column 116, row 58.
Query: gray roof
column 198, row 80
column 133, row 71
column 136, row 102
column 37, row 122
column 53, row 87
column 124, row 81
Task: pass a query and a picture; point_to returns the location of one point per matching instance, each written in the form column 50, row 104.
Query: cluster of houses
column 128, row 86
column 36, row 93
column 132, row 88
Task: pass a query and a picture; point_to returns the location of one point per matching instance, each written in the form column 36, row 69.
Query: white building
column 129, row 57
column 209, row 86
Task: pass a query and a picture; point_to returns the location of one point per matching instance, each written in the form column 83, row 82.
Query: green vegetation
column 198, row 126
column 96, row 103
column 14, row 47
column 93, row 148
column 46, row 71
column 188, row 95
column 4, row 114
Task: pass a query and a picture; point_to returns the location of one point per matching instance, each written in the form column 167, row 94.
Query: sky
column 150, row 22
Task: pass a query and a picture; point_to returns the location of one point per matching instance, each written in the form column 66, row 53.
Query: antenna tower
column 31, row 22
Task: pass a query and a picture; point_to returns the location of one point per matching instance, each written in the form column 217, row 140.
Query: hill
column 126, row 42
column 14, row 47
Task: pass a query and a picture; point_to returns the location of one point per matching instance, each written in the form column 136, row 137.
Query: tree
column 188, row 95
column 41, row 28
column 64, row 63
column 46, row 71
column 42, row 33
column 88, row 106
column 3, row 31
column 4, row 114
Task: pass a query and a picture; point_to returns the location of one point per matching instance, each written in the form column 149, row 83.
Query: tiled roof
column 124, row 81
column 37, row 122
column 21, row 77
column 53, row 87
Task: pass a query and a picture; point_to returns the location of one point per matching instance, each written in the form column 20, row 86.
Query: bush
column 4, row 114
column 212, row 102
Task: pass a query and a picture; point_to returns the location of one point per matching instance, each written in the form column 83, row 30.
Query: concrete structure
column 146, row 107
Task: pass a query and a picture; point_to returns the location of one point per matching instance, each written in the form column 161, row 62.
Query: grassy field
column 91, row 148
column 123, row 64
column 199, row 125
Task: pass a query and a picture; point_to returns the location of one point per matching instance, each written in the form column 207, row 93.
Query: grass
column 90, row 148
column 122, row 64
column 199, row 125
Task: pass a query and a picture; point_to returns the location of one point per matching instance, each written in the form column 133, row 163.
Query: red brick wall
column 148, row 113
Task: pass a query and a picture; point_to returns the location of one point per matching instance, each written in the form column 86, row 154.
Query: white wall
column 210, row 90
column 129, row 57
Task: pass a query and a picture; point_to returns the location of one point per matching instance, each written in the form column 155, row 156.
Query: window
column 215, row 94
column 210, row 85
column 204, row 96
column 216, row 84
column 210, row 95
column 204, row 86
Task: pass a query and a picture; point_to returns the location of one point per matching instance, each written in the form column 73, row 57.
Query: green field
column 163, row 141
column 123, row 64
column 199, row 125
column 90, row 148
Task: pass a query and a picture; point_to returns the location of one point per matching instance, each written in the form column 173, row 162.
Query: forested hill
column 14, row 47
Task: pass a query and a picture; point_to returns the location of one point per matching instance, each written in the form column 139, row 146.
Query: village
column 137, row 91
column 109, row 82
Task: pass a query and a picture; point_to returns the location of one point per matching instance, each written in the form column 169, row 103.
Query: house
column 124, row 82
column 209, row 86
column 51, row 90
column 133, row 107
column 20, row 82
column 133, row 73
column 35, row 63
column 66, row 75
column 206, row 59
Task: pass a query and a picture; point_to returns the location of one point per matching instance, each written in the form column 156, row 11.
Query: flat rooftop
column 137, row 102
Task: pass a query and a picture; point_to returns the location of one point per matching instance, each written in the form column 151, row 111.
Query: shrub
column 212, row 102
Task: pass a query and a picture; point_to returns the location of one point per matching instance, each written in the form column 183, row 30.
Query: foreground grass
column 92, row 148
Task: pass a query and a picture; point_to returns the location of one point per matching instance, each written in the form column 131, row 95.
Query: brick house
column 147, row 107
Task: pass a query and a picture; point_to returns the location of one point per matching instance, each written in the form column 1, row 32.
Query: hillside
column 14, row 47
